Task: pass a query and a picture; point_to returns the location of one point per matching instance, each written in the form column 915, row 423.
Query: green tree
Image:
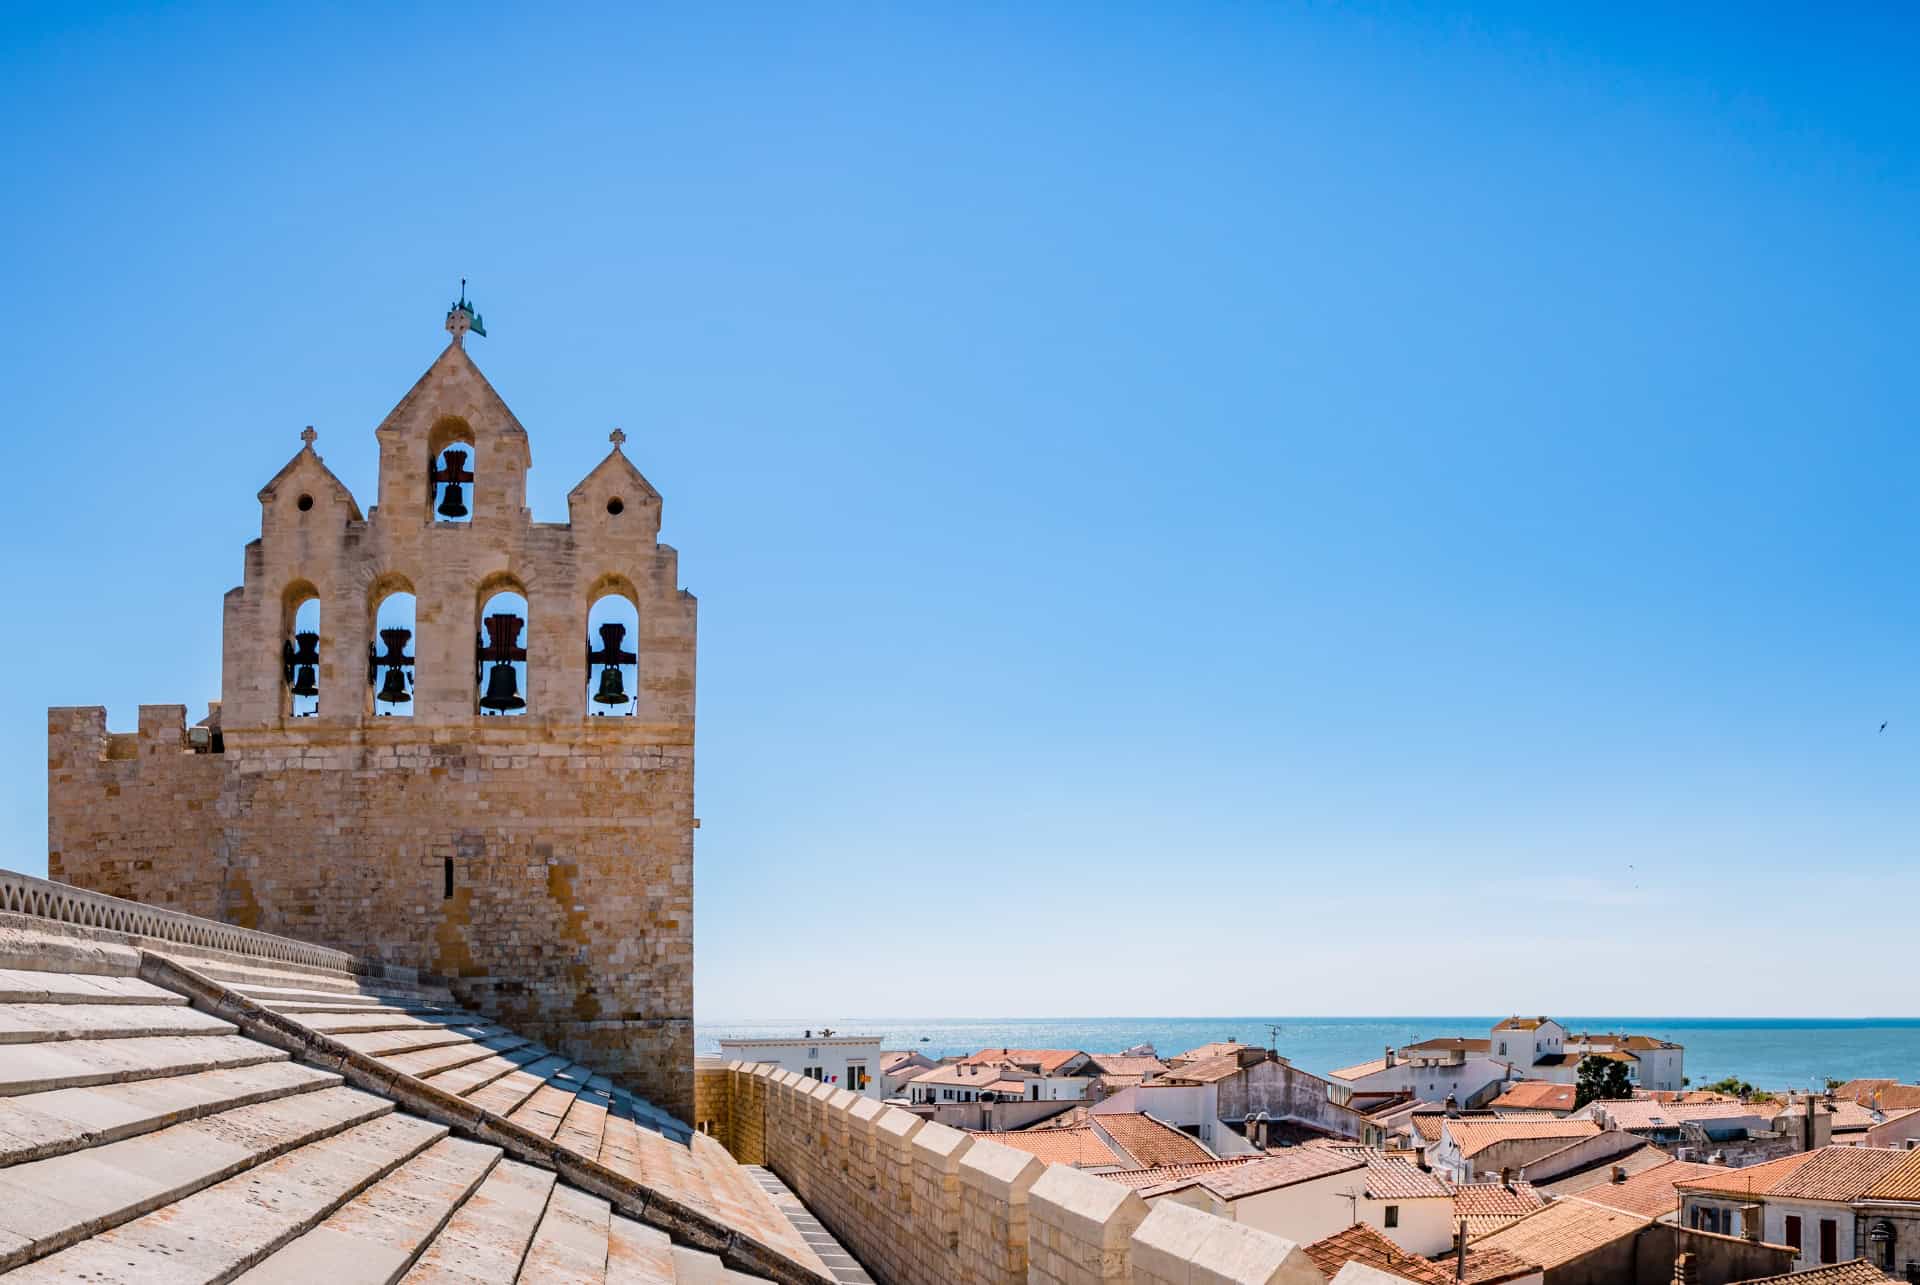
column 1602, row 1079
column 1732, row 1085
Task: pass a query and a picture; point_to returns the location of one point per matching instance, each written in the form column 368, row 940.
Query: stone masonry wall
column 569, row 837
column 922, row 1204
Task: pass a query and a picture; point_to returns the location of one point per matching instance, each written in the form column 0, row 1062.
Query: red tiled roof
column 1392, row 1178
column 1148, row 1142
column 1450, row 1043
column 1048, row 1060
column 1487, row 1266
column 1856, row 1272
column 1523, row 1023
column 1268, row 1173
column 1360, row 1070
column 1753, row 1180
column 1840, row 1173
column 1209, row 1070
column 1362, row 1244
column 1899, row 1183
column 1635, row 1113
column 1650, row 1192
column 1483, row 1199
column 1542, row 1095
column 1563, row 1231
column 1475, row 1136
column 1082, row 1148
column 1164, row 1175
column 1215, row 1049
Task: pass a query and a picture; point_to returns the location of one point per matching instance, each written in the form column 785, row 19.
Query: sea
column 1769, row 1053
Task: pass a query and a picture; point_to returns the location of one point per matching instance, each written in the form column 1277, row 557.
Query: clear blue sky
column 1359, row 509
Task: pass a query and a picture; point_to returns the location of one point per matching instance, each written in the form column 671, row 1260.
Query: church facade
column 495, row 787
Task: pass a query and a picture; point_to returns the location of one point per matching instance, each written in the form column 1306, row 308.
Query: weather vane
column 461, row 317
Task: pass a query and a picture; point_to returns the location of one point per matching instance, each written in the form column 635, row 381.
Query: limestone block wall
column 923, row 1204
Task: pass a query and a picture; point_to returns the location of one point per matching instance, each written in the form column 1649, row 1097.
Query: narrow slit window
column 446, row 874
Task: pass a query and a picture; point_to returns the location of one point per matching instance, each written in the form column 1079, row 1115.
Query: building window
column 1393, row 1215
column 1829, row 1241
column 815, row 1073
column 446, row 877
column 1793, row 1230
column 856, row 1075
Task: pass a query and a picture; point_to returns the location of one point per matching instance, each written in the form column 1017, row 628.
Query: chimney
column 1389, row 1055
column 1506, row 1177
column 1750, row 1222
column 1460, row 1251
column 1452, row 1105
column 1619, row 1173
column 1684, row 1272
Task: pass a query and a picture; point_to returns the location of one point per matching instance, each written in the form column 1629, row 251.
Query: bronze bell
column 307, row 648
column 305, row 682
column 393, row 689
column 453, row 504
column 613, row 689
column 503, row 690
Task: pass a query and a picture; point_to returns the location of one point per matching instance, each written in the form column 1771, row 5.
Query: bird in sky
column 1883, row 727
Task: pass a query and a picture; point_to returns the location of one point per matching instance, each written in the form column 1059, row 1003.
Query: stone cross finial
column 616, row 437
column 308, row 436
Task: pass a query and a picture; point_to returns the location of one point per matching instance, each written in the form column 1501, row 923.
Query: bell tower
column 494, row 785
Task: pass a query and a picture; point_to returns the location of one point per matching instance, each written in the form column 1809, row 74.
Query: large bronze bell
column 301, row 661
column 613, row 688
column 393, row 689
column 307, row 648
column 306, row 682
column 503, row 690
column 454, row 503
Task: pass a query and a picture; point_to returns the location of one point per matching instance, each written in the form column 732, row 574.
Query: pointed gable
column 307, row 474
column 452, row 402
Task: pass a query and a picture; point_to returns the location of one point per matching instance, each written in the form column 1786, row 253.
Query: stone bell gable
column 537, row 851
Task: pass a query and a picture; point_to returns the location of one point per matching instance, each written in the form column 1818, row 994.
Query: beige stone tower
column 542, row 862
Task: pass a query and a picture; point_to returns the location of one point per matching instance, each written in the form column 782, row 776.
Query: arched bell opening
column 450, row 470
column 613, row 661
column 500, row 671
column 391, row 672
column 300, row 652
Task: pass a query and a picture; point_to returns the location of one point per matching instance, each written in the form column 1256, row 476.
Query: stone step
column 376, row 1236
column 438, row 1060
column 34, row 1126
column 500, row 1094
column 296, row 1007
column 467, row 1078
column 367, row 995
column 697, row 1267
column 225, row 1228
column 570, row 1245
column 387, row 1020
column 65, row 1064
column 585, row 1123
column 487, row 1238
column 549, row 1104
column 46, row 1205
column 638, row 1254
column 269, row 973
column 40, row 1023
column 25, row 986
column 385, row 1044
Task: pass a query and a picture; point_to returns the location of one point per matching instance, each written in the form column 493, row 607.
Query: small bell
column 453, row 504
column 613, row 689
column 305, row 682
column 503, row 690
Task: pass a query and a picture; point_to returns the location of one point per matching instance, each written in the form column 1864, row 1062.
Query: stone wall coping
column 942, row 1146
column 23, row 894
column 1091, row 1208
column 865, row 1109
column 1179, row 1243
column 1000, row 1170
column 1168, row 1238
column 843, row 1099
column 901, row 1124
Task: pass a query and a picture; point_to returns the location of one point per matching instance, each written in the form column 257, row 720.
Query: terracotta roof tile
column 1209, row 1070
column 1128, row 1064
column 1481, row 1199
column 1148, row 1142
column 1392, row 1178
column 1205, row 1051
column 1650, row 1192
column 1857, row 1272
column 1450, row 1043
column 1488, row 1266
column 1638, row 1114
column 1899, row 1183
column 1360, row 1070
column 1362, row 1244
column 1048, row 1060
column 1840, row 1173
column 1082, row 1148
column 1523, row 1023
column 1165, row 1175
column 1563, row 1231
column 1475, row 1136
column 1542, row 1095
column 1268, row 1173
column 1753, row 1180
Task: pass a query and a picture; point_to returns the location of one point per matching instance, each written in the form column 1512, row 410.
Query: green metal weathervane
column 461, row 316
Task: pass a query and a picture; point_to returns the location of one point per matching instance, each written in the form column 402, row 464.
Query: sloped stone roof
column 184, row 1113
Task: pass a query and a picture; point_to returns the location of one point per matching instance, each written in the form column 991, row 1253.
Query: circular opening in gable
column 616, row 506
column 304, row 503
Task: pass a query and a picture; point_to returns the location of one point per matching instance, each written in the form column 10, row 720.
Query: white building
column 848, row 1061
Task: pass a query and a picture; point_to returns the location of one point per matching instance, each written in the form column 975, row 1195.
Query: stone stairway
column 142, row 1139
